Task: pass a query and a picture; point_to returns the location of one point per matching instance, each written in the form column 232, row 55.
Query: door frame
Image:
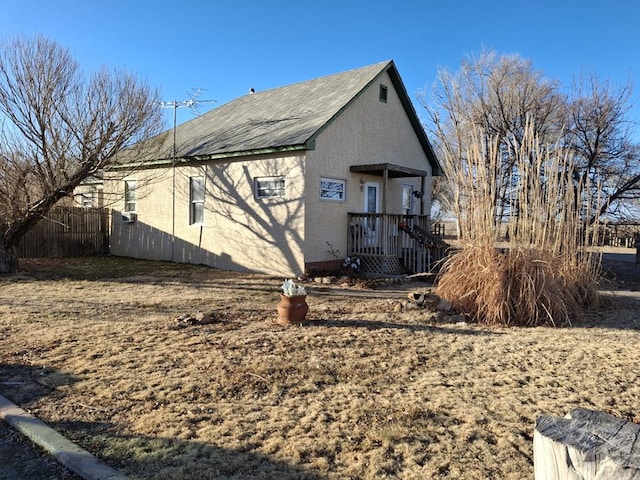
column 371, row 227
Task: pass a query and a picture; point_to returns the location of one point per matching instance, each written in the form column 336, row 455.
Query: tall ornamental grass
column 544, row 272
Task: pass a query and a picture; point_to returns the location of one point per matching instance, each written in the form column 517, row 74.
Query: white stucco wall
column 239, row 232
column 368, row 132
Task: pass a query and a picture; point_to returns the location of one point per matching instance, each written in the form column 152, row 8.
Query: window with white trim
column 269, row 187
column 130, row 196
column 332, row 189
column 89, row 198
column 196, row 200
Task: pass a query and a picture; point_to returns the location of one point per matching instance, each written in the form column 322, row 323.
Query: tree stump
column 586, row 445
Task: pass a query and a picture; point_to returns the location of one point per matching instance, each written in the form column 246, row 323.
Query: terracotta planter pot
column 292, row 310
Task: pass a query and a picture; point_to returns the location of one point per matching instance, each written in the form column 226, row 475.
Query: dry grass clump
column 544, row 274
column 522, row 286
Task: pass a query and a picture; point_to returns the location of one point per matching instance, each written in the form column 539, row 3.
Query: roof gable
column 283, row 118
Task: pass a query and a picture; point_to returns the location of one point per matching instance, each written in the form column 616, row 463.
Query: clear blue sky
column 229, row 46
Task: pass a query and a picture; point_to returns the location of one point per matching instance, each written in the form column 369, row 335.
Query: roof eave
column 310, row 145
column 436, row 168
column 394, row 171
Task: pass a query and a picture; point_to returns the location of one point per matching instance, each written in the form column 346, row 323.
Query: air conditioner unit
column 129, row 217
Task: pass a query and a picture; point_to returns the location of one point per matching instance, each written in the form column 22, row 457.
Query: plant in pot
column 292, row 308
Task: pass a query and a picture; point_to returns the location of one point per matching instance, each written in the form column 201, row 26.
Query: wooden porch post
column 423, row 189
column 385, row 181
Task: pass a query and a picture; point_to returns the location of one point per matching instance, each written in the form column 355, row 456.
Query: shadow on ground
column 20, row 459
column 135, row 456
column 382, row 325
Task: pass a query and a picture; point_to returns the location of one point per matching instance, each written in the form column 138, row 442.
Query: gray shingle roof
column 272, row 119
column 282, row 118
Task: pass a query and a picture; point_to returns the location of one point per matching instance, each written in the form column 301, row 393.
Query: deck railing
column 386, row 248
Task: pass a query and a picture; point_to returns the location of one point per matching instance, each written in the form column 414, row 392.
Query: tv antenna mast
column 193, row 103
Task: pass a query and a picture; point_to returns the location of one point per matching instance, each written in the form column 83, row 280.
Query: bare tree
column 599, row 134
column 57, row 128
column 501, row 95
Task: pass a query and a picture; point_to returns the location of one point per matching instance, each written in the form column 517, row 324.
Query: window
column 196, row 199
column 383, row 93
column 332, row 189
column 266, row 187
column 130, row 196
column 89, row 198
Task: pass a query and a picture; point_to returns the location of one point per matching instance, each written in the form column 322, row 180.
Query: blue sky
column 228, row 46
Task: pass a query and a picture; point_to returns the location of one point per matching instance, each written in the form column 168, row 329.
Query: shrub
column 517, row 286
column 545, row 272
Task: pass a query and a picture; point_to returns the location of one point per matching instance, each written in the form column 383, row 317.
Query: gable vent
column 383, row 93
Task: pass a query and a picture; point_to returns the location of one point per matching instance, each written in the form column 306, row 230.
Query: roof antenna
column 193, row 103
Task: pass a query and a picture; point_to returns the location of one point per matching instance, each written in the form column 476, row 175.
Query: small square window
column 87, row 199
column 383, row 93
column 268, row 187
column 332, row 189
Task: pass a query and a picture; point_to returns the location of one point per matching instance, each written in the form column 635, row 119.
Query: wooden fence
column 67, row 232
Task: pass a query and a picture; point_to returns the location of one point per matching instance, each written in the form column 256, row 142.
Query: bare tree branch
column 501, row 95
column 58, row 127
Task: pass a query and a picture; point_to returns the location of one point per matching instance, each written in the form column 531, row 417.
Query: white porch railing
column 393, row 244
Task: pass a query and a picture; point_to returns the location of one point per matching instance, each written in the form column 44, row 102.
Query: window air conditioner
column 129, row 217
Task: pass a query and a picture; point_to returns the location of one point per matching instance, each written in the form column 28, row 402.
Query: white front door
column 371, row 205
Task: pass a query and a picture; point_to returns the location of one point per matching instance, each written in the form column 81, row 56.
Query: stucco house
column 286, row 181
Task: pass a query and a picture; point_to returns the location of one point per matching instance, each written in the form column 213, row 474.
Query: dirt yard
column 364, row 390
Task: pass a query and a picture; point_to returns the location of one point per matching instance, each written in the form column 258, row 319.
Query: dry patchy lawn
column 361, row 391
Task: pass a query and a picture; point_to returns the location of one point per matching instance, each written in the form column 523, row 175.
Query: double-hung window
column 196, row 200
column 130, row 196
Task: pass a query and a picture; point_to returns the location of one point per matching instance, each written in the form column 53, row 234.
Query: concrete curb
column 65, row 451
